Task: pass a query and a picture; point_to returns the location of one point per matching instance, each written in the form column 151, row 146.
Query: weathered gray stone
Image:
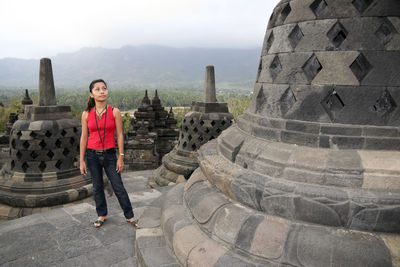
column 47, row 93
column 209, row 86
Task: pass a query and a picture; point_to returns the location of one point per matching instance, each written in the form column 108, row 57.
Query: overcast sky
column 44, row 28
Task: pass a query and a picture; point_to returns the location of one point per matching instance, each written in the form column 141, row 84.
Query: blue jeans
column 95, row 164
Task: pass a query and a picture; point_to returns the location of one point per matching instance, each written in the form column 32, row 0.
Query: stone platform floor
column 66, row 236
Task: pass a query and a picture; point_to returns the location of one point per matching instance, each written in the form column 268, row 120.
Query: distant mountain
column 139, row 66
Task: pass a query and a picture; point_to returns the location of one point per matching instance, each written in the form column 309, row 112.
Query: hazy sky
column 44, row 28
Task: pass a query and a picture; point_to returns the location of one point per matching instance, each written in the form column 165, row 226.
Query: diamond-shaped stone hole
column 362, row 5
column 42, row 166
column 75, row 130
column 181, row 135
column 312, row 67
column 213, row 123
column 19, row 154
column 295, row 36
column 191, row 121
column 288, row 99
column 207, row 130
column 72, row 140
column 58, row 164
column 245, row 165
column 318, row 6
column 33, row 134
column 34, row 155
column 184, row 120
column 190, row 137
column 19, row 134
column 25, row 144
column 66, row 152
column 337, row 34
column 48, row 134
column 25, row 166
column 195, row 130
column 386, row 31
column 385, row 104
column 58, row 143
column 194, row 147
column 63, row 132
column 201, row 138
column 50, row 154
column 201, row 122
column 13, row 144
column 42, row 144
column 360, row 67
column 186, row 128
column 275, row 67
column 12, row 164
column 270, row 41
column 285, row 12
column 184, row 144
column 212, row 137
column 218, row 130
column 223, row 122
column 332, row 104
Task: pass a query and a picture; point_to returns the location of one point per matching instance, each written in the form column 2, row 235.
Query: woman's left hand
column 120, row 164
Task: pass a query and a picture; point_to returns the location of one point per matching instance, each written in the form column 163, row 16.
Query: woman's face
column 99, row 92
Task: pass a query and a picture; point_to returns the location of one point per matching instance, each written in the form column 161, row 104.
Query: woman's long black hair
column 91, row 103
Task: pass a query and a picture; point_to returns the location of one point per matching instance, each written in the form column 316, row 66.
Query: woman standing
column 99, row 124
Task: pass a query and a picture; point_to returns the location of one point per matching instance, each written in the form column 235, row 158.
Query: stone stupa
column 205, row 121
column 310, row 174
column 44, row 143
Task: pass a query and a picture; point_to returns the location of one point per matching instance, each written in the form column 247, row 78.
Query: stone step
column 151, row 249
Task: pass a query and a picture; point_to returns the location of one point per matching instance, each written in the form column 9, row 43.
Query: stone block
column 149, row 237
column 281, row 43
column 231, row 259
column 381, row 181
column 228, row 222
column 245, row 236
column 207, row 253
column 300, row 11
column 299, row 138
column 151, row 217
column 318, row 246
column 381, row 161
column 384, row 69
column 269, row 238
column 335, row 68
column 154, row 257
column 185, row 240
column 382, row 144
column 380, row 131
column 348, row 142
column 207, row 206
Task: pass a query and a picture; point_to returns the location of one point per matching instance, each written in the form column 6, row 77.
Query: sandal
column 99, row 223
column 135, row 223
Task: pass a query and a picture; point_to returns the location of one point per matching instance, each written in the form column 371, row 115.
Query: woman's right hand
column 83, row 168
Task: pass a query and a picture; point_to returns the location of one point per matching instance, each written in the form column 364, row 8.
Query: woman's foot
column 134, row 222
column 99, row 222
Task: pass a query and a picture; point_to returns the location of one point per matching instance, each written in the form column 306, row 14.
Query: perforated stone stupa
column 44, row 143
column 310, row 174
column 205, row 121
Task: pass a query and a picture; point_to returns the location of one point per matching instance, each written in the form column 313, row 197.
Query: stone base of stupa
column 175, row 164
column 204, row 223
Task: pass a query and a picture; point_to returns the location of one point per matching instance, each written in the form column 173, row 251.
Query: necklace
column 99, row 113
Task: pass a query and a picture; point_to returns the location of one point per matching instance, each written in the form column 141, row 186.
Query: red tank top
column 94, row 141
